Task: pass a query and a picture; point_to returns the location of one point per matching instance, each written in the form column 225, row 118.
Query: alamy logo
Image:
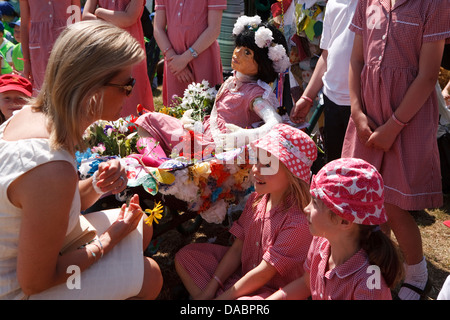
column 193, row 150
column 74, row 280
column 374, row 280
column 75, row 14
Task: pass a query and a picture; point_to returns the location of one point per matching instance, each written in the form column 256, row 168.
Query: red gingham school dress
column 281, row 237
column 348, row 281
column 142, row 91
column 186, row 20
column 392, row 40
column 47, row 20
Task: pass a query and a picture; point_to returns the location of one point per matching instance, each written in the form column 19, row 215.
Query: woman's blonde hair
column 85, row 57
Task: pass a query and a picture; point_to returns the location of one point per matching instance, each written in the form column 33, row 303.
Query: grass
column 435, row 242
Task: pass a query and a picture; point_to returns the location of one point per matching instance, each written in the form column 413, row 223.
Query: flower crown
column 264, row 39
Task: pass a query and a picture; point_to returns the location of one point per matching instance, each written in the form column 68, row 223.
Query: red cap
column 14, row 82
column 447, row 223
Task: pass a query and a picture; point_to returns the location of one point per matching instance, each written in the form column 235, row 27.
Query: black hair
column 246, row 39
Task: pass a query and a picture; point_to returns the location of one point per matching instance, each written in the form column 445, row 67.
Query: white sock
column 416, row 275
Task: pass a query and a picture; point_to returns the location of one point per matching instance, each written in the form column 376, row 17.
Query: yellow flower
column 154, row 214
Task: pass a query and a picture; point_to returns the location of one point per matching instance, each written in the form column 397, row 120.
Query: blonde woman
column 88, row 78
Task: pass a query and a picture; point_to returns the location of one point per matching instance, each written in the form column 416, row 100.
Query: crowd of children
column 324, row 236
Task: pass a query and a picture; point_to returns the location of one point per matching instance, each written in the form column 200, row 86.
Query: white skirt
column 116, row 276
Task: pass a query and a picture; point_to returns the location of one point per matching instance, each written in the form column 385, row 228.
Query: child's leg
column 189, row 284
column 196, row 264
column 409, row 239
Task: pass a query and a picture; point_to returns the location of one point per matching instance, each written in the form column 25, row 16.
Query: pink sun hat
column 293, row 147
column 353, row 189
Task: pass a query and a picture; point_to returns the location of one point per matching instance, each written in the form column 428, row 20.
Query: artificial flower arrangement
column 112, row 138
column 208, row 187
column 105, row 140
column 197, row 96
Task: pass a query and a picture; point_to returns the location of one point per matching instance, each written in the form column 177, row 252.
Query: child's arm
column 89, row 10
column 122, row 19
column 227, row 266
column 364, row 125
column 163, row 42
column 296, row 290
column 416, row 95
column 302, row 106
column 446, row 93
column 24, row 31
column 177, row 63
column 250, row 282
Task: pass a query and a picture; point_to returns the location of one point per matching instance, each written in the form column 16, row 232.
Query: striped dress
column 235, row 9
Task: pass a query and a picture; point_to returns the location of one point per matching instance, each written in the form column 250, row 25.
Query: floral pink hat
column 293, row 147
column 353, row 189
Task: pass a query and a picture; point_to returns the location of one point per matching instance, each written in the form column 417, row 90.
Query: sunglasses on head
column 128, row 87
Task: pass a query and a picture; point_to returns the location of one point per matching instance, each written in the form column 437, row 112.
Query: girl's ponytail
column 383, row 253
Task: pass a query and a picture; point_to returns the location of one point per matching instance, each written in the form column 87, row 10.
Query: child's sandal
column 423, row 293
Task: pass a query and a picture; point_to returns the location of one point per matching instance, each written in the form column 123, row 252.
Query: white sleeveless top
column 118, row 275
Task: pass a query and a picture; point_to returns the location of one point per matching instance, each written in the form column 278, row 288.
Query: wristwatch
column 193, row 52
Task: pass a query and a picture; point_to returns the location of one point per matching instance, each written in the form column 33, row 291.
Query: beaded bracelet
column 99, row 248
column 92, row 253
column 401, row 124
column 307, row 99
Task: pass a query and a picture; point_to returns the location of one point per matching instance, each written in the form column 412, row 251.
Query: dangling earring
column 91, row 109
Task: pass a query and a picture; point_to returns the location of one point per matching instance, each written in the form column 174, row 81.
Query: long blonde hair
column 85, row 57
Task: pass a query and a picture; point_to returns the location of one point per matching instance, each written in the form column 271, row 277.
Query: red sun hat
column 353, row 189
column 14, row 82
column 293, row 147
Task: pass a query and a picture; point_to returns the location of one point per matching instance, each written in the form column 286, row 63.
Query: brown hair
column 383, row 253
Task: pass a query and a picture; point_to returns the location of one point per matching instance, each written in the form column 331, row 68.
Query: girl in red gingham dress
column 350, row 258
column 272, row 236
column 394, row 113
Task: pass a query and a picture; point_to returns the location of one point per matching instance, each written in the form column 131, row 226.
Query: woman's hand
column 127, row 221
column 112, row 177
